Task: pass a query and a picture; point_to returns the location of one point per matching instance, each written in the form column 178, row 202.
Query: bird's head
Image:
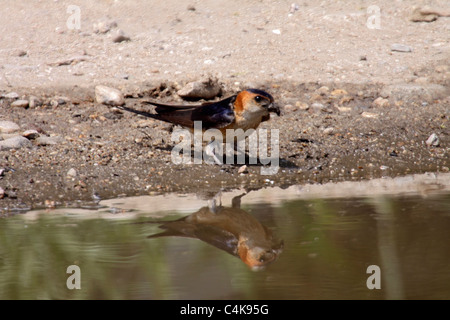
column 255, row 101
column 259, row 256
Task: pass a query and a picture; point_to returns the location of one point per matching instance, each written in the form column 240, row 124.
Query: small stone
column 191, row 8
column 109, row 96
column 384, row 167
column 421, row 80
column 104, row 26
column 21, row 53
column 276, row 31
column 31, row 134
column 120, row 36
column 442, row 68
column 289, row 108
column 302, row 105
column 294, row 7
column 46, row 141
column 207, row 88
column 72, row 173
column 323, row 90
column 11, row 95
column 34, row 102
column 400, row 47
column 243, row 169
column 363, row 58
column 62, row 100
column 20, row 104
column 8, row 127
column 328, row 131
column 371, row 115
column 433, row 140
column 339, row 92
column 420, row 15
column 15, row 142
column 316, row 106
column 343, row 109
column 380, row 102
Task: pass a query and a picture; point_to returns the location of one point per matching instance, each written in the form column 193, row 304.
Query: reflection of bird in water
column 230, row 229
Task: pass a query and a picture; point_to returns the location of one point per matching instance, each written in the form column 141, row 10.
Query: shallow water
column 312, row 248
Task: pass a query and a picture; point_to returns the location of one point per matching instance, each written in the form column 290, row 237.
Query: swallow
column 230, row 229
column 245, row 110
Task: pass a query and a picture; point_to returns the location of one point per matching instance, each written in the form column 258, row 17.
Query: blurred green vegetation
column 329, row 243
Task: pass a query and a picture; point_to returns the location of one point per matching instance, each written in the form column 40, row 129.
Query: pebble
column 71, row 173
column 243, row 169
column 120, row 36
column 15, row 142
column 20, row 103
column 442, row 68
column 53, row 103
column 328, row 131
column 339, row 92
column 289, row 108
column 316, row 106
column 109, row 96
column 400, row 47
column 433, row 140
column 276, row 31
column 104, row 26
column 302, row 105
column 323, row 90
column 294, row 7
column 381, row 102
column 8, row 127
column 207, row 88
column 46, row 141
column 424, row 15
column 31, row 134
column 11, row 95
column 369, row 115
column 34, row 102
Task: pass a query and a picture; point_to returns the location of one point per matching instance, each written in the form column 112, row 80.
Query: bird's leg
column 236, row 201
column 212, row 204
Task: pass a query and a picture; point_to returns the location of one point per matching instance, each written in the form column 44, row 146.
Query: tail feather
column 180, row 117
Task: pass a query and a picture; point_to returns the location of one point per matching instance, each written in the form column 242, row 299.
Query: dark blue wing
column 216, row 115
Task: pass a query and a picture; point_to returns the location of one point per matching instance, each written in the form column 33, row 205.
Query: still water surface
column 315, row 248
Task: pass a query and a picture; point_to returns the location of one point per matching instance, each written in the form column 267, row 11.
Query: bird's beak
column 274, row 108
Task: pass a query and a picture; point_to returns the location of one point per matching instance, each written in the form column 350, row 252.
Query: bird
column 244, row 110
column 230, row 229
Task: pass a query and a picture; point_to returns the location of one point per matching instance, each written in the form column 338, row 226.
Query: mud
column 116, row 153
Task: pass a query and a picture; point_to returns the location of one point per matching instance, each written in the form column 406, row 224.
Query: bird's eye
column 258, row 98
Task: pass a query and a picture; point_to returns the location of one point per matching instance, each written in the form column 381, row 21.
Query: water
column 297, row 248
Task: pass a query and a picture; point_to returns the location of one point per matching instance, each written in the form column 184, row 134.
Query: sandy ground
column 326, row 63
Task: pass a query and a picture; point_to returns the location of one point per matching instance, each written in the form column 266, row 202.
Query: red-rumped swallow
column 230, row 229
column 245, row 110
